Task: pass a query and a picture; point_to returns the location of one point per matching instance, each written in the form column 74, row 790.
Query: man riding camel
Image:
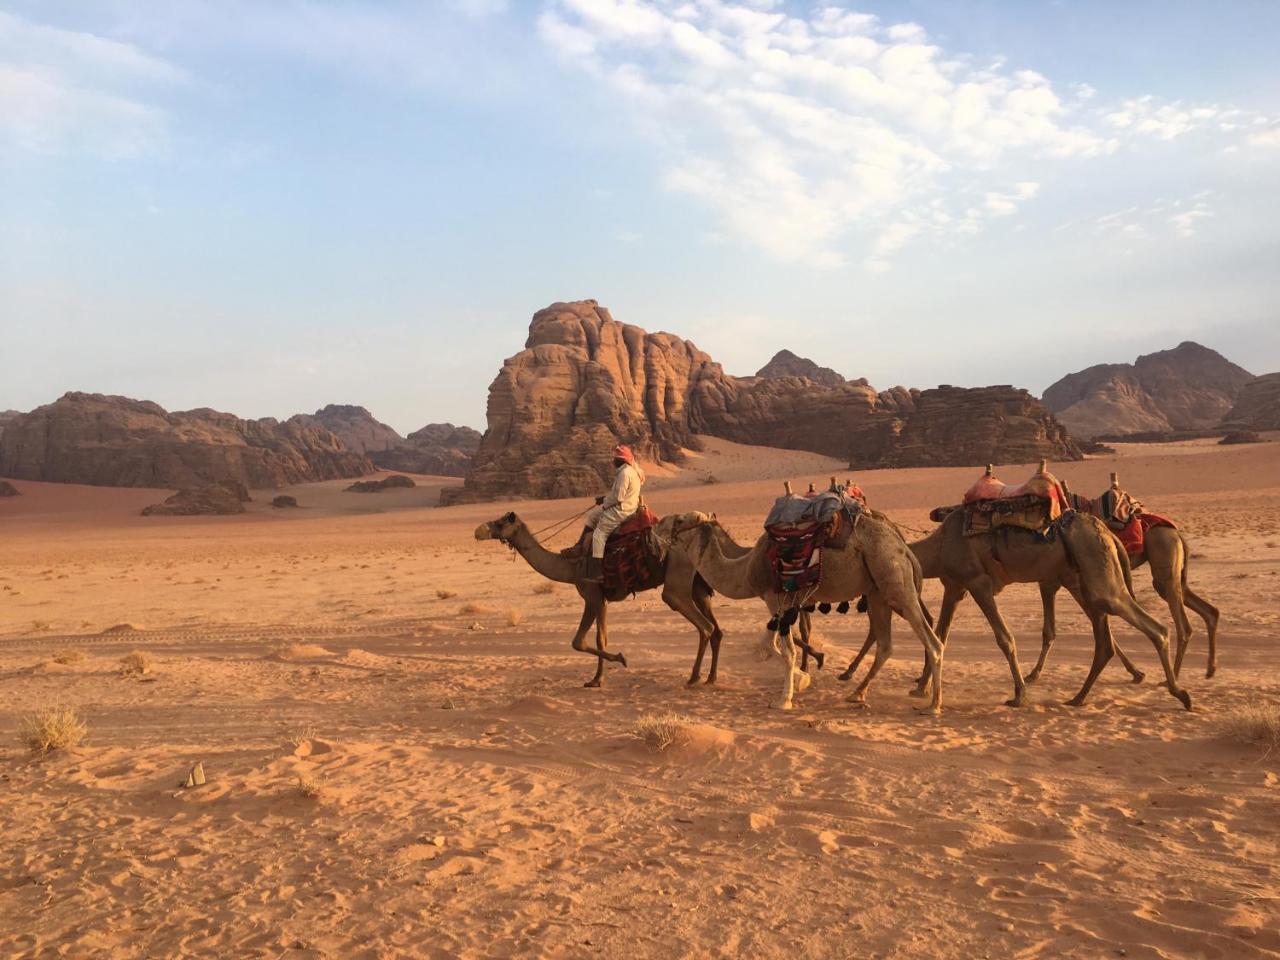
column 611, row 510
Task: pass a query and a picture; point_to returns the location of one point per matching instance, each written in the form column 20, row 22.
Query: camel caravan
column 829, row 550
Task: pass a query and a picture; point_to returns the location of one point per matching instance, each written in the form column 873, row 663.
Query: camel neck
column 929, row 552
column 729, row 577
column 551, row 565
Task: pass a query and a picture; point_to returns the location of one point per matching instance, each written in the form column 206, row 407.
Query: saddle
column 633, row 555
column 800, row 527
column 1125, row 516
column 990, row 504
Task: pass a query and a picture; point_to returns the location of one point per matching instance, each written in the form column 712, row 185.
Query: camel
column 875, row 562
column 682, row 590
column 1083, row 556
column 1165, row 549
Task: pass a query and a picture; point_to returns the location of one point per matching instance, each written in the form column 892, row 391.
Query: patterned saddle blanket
column 990, row 504
column 1125, row 516
column 633, row 555
column 799, row 527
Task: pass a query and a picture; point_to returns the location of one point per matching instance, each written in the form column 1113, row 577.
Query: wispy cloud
column 801, row 132
column 66, row 89
column 1177, row 218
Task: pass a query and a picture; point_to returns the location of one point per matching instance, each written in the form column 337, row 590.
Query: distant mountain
column 119, row 442
column 6, row 416
column 1257, row 406
column 787, row 364
column 1187, row 388
column 439, row 449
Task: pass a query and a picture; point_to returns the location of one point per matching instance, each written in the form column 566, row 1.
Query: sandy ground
column 475, row 801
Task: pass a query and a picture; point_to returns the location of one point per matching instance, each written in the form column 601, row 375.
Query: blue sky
column 265, row 207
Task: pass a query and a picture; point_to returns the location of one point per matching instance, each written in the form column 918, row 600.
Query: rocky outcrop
column 1239, row 436
column 377, row 486
column 1257, row 406
column 284, row 501
column 7, row 489
column 208, row 499
column 355, row 427
column 1187, row 388
column 115, row 441
column 585, row 382
column 787, row 364
column 439, row 449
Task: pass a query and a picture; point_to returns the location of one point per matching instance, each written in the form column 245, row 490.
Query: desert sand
column 466, row 797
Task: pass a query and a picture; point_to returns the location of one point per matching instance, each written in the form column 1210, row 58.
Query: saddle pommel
column 786, row 485
column 1115, row 481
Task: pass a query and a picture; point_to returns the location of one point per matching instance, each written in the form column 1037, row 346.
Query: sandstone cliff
column 1187, row 388
column 585, row 381
column 116, row 441
column 1257, row 406
column 440, row 449
column 787, row 364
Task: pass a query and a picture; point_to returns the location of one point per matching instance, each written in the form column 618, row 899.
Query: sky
column 267, row 207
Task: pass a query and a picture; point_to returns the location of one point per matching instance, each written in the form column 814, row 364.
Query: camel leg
column 1170, row 591
column 1209, row 613
column 788, row 651
column 805, row 624
column 688, row 608
column 914, row 613
column 881, row 633
column 850, row 670
column 1103, row 647
column 1128, row 609
column 702, row 599
column 1113, row 645
column 952, row 594
column 1048, row 630
column 596, row 610
column 985, row 598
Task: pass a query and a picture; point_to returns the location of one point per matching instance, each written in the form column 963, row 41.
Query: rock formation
column 116, row 441
column 440, row 449
column 585, row 381
column 284, row 501
column 787, row 364
column 355, row 427
column 1187, row 388
column 377, row 486
column 7, row 489
column 1257, row 406
column 208, row 499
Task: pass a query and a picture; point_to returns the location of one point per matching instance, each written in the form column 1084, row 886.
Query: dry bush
column 136, row 664
column 514, row 617
column 544, row 587
column 40, row 626
column 300, row 735
column 310, row 786
column 1254, row 721
column 446, row 594
column 68, row 656
column 53, row 728
column 472, row 609
column 661, row 730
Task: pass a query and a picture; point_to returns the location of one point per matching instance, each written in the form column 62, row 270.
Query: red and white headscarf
column 623, row 452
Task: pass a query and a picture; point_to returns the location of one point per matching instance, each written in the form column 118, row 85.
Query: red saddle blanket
column 632, row 555
column 795, row 555
column 1133, row 535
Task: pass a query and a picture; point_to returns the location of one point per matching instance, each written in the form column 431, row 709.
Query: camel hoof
column 593, row 683
column 1031, row 677
column 1075, row 702
column 781, row 705
column 622, row 660
column 1139, row 677
column 1183, row 697
column 692, row 681
column 1016, row 702
column 709, row 682
column 1208, row 674
column 845, row 677
column 929, row 711
column 803, row 681
column 916, row 692
column 856, row 701
column 820, row 659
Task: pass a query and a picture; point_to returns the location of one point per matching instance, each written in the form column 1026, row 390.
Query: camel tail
column 1186, row 559
column 1127, row 568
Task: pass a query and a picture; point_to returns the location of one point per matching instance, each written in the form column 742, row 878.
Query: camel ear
column 510, row 517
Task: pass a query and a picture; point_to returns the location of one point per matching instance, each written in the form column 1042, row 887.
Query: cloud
column 67, row 90
column 805, row 135
column 799, row 133
column 1266, row 138
column 1178, row 218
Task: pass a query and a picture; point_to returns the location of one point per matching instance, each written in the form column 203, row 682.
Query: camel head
column 504, row 528
column 675, row 524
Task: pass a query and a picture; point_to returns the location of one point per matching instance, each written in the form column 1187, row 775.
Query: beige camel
column 1083, row 556
column 1166, row 551
column 874, row 563
column 682, row 590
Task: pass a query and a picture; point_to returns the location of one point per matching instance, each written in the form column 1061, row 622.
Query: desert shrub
column 1254, row 721
column 544, row 587
column 136, row 664
column 68, row 656
column 53, row 728
column 471, row 609
column 661, row 730
column 514, row 617
column 310, row 786
column 446, row 594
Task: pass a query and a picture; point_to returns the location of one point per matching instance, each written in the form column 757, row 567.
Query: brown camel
column 682, row 590
column 1165, row 549
column 875, row 562
column 1083, row 556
